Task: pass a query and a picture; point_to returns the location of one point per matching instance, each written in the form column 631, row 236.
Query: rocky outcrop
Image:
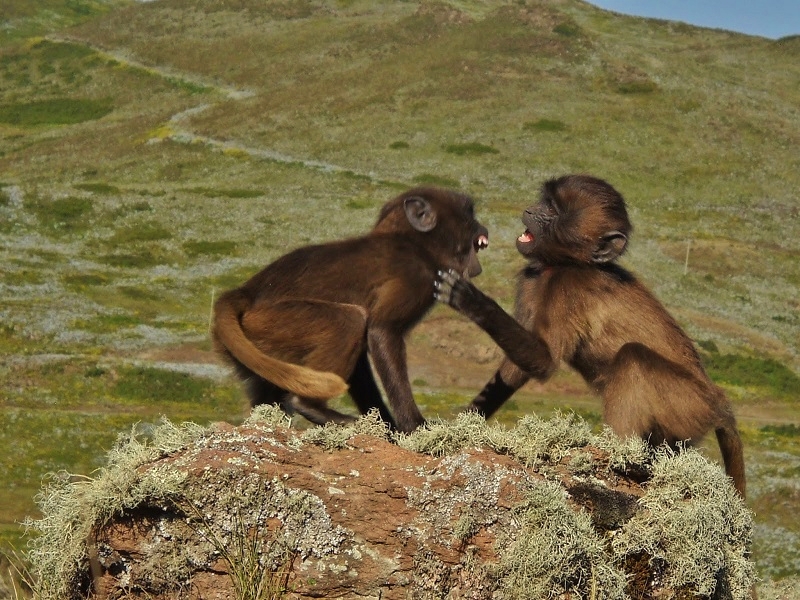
column 457, row 510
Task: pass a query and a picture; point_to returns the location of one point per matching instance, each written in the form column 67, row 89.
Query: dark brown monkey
column 575, row 304
column 299, row 331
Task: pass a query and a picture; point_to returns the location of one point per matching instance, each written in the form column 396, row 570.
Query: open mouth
column 526, row 237
column 474, row 266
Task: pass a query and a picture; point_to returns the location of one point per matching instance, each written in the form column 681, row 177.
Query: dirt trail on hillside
column 126, row 58
column 176, row 125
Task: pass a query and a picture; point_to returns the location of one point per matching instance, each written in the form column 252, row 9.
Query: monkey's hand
column 452, row 289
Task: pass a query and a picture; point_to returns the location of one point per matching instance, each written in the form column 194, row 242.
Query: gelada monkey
column 577, row 305
column 300, row 331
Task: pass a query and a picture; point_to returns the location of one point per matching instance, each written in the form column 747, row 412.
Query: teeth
column 526, row 237
column 483, row 242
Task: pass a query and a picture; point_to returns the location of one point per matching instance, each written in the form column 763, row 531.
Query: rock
column 457, row 510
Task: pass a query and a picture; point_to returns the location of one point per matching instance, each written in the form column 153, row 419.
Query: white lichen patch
column 336, row 437
column 551, row 547
column 268, row 417
column 305, row 520
column 460, row 487
column 696, row 523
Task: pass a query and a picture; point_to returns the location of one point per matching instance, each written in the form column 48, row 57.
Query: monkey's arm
column 507, row 380
column 388, row 351
column 524, row 348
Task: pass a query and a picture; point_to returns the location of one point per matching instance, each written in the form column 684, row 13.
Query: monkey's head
column 579, row 219
column 441, row 220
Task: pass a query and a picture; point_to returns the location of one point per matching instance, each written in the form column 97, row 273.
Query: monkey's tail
column 300, row 380
column 730, row 444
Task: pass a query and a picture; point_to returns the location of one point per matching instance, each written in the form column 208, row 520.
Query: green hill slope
column 698, row 128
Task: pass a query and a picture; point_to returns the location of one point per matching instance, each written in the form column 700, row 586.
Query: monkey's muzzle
column 480, row 242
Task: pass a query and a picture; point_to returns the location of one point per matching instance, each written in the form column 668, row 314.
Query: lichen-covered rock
column 457, row 510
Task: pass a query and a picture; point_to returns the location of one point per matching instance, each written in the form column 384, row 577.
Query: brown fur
column 299, row 331
column 576, row 305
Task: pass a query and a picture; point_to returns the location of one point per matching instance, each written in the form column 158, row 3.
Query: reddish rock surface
column 458, row 510
column 367, row 520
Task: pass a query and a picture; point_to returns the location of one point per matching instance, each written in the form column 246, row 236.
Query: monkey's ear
column 420, row 213
column 611, row 245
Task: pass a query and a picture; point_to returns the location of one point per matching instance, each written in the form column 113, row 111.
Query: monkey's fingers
column 443, row 291
column 451, row 278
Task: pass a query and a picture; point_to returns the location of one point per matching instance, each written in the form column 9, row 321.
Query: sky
column 767, row 18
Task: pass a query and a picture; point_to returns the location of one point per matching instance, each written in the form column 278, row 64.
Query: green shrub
column 82, row 8
column 189, row 86
column 95, row 371
column 139, row 260
column 471, row 149
column 84, row 280
column 636, row 87
column 142, row 232
column 226, row 193
column 63, row 214
column 545, row 125
column 141, row 207
column 353, row 176
column 567, row 29
column 748, row 371
column 148, row 384
column 709, row 346
column 359, row 204
column 787, row 430
column 57, row 111
column 107, row 323
column 53, row 51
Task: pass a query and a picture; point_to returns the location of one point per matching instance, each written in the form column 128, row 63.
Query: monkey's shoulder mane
column 613, row 270
column 619, row 273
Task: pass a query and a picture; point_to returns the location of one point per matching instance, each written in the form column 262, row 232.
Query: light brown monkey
column 576, row 305
column 299, row 332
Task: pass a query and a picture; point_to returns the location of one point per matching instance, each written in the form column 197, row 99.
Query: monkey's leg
column 316, row 411
column 388, row 351
column 325, row 336
column 507, row 380
column 261, row 391
column 649, row 396
column 365, row 392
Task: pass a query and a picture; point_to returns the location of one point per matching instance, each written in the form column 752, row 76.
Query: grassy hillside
column 155, row 153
